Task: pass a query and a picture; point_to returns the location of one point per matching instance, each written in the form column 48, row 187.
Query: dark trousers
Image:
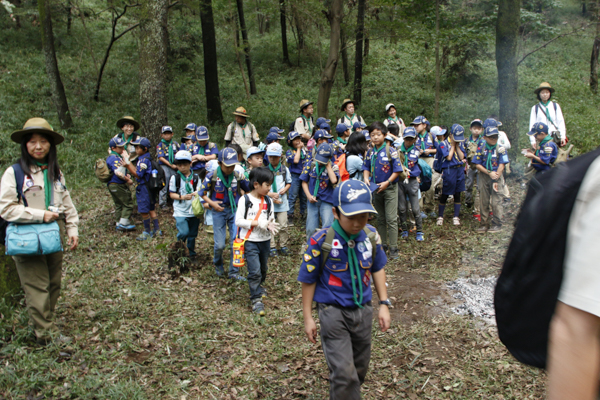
column 257, row 258
column 346, row 342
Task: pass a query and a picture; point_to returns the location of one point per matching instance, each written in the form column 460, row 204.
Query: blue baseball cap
column 367, row 135
column 276, row 129
column 491, row 131
column 324, row 153
column 321, row 121
column 491, row 122
column 341, row 128
column 166, row 128
column 292, row 135
column 228, row 157
column 202, row 133
column 353, row 197
column 273, row 137
column 188, row 137
column 116, row 142
column 321, row 133
column 458, row 133
column 419, row 120
column 538, row 127
column 183, row 155
column 325, row 126
column 409, row 132
column 437, row 131
column 190, row 127
column 274, row 149
column 142, row 141
column 358, row 125
column 476, row 121
column 252, row 151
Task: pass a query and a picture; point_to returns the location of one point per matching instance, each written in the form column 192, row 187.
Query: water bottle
column 154, row 173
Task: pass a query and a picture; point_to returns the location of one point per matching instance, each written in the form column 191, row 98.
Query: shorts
column 146, row 200
column 453, row 180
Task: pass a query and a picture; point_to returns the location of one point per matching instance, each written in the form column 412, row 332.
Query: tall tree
column 154, row 42
column 211, row 72
column 334, row 15
column 358, row 56
column 436, row 112
column 507, row 35
column 345, row 63
column 56, row 86
column 595, row 52
column 240, row 7
column 283, row 23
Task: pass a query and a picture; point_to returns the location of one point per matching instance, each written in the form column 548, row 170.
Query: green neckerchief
column 302, row 153
column 343, row 141
column 352, row 263
column 374, row 158
column 307, row 122
column 545, row 106
column 488, row 162
column 349, row 119
column 227, row 184
column 188, row 186
column 114, row 153
column 170, row 147
column 406, row 151
column 274, row 170
column 47, row 185
column 317, row 183
column 201, row 150
column 243, row 129
column 127, row 140
column 474, row 141
column 543, row 142
column 396, row 120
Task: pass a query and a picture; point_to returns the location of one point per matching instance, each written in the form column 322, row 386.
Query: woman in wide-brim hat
column 44, row 199
column 129, row 126
column 548, row 112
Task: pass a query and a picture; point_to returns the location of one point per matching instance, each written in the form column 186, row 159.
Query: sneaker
column 433, row 214
column 144, row 236
column 273, row 252
column 284, row 251
column 394, row 255
column 258, row 307
column 495, row 229
column 420, row 237
column 440, row 221
column 157, row 233
column 456, row 221
column 477, row 217
column 423, row 215
column 482, row 229
column 237, row 278
column 123, row 228
column 404, row 235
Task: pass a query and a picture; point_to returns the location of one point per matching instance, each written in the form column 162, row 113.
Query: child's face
column 118, row 150
column 347, row 133
column 227, row 170
column 321, row 141
column 491, row 140
column 377, row 137
column 256, row 160
column 140, row 150
column 167, row 136
column 409, row 141
column 274, row 160
column 420, row 128
column 127, row 129
column 183, row 167
column 540, row 136
column 262, row 189
column 476, row 130
column 354, row 224
column 202, row 143
column 188, row 142
column 297, row 143
column 190, row 132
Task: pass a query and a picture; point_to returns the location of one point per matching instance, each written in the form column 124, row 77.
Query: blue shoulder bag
column 31, row 239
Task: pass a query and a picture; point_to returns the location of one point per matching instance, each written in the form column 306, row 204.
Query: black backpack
column 156, row 184
column 528, row 286
column 19, row 177
column 195, row 181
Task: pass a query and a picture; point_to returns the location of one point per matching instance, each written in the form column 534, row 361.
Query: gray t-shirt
column 182, row 208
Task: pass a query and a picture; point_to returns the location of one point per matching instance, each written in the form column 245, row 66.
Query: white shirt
column 556, row 116
column 257, row 235
column 503, row 140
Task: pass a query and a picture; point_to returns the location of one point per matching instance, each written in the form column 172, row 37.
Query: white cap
column 211, row 165
column 387, row 108
column 274, row 149
column 183, row 155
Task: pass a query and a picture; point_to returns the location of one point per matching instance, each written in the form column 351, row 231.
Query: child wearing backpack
column 408, row 190
column 183, row 187
column 381, row 168
column 426, row 145
column 296, row 157
column 165, row 154
column 546, row 150
column 273, row 137
column 278, row 194
column 255, row 219
column 319, row 177
column 146, row 198
column 473, row 143
column 118, row 185
column 220, row 190
column 355, row 155
column 336, row 273
column 490, row 160
column 211, row 166
column 254, row 159
column 453, row 172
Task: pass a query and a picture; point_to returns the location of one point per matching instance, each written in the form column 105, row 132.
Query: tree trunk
column 56, row 86
column 436, row 113
column 240, row 7
column 298, row 29
column 595, row 51
column 284, row 46
column 69, row 9
column 211, row 72
column 507, row 35
column 366, row 52
column 358, row 56
column 583, row 8
column 328, row 74
column 345, row 66
column 154, row 42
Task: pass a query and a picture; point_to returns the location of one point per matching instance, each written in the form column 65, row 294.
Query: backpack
column 425, row 175
column 527, row 290
column 19, row 177
column 194, row 182
column 156, row 184
column 103, row 173
column 293, row 125
column 327, row 244
column 249, row 204
column 341, row 163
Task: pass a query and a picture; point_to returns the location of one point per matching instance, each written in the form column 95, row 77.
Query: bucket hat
column 36, row 125
column 128, row 120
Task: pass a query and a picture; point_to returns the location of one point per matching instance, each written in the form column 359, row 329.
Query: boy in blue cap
column 490, row 160
column 165, row 153
column 117, row 185
column 336, row 273
column 343, row 132
column 296, row 156
column 182, row 194
column 409, row 188
column 220, row 190
column 187, row 142
column 453, row 171
column 203, row 151
column 254, row 159
column 273, row 136
column 427, row 146
column 358, row 127
column 146, row 199
column 278, row 194
column 475, row 140
column 321, row 121
column 319, row 177
column 546, row 150
column 381, row 168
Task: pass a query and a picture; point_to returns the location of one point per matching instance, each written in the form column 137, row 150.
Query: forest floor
column 138, row 333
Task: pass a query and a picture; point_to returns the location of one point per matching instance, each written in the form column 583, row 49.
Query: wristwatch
column 385, row 302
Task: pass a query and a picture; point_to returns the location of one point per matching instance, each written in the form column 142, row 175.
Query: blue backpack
column 425, row 175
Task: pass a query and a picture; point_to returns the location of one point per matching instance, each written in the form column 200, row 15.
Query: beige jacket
column 13, row 210
column 244, row 136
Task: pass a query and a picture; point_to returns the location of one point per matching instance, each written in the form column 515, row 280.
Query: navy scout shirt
column 309, row 174
column 384, row 167
column 499, row 156
column 219, row 191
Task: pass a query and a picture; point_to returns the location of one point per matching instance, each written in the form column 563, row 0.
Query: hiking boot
column 123, row 228
column 273, row 252
column 263, row 293
column 144, row 236
column 284, row 251
column 482, row 229
column 456, row 221
column 404, row 235
column 237, row 277
column 440, row 221
column 495, row 229
column 258, row 307
column 394, row 255
column 420, row 237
